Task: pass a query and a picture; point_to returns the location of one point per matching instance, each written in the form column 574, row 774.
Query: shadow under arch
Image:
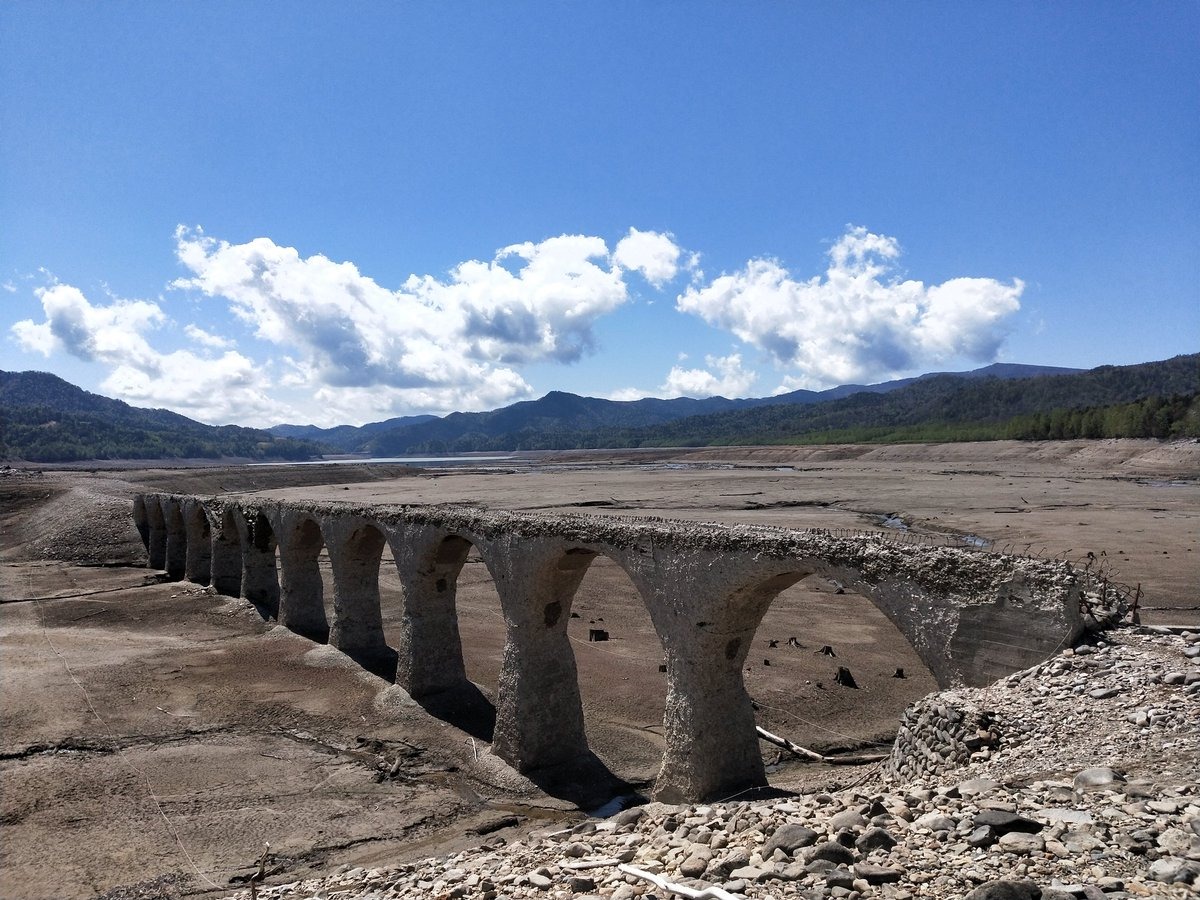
column 301, row 585
column 227, row 544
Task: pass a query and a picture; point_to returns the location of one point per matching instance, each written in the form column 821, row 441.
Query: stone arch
column 618, row 655
column 227, row 543
column 794, row 686
column 260, row 574
column 177, row 539
column 198, row 566
column 301, row 587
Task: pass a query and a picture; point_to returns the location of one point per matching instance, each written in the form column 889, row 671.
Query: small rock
column 832, row 851
column 873, row 874
column 1021, row 842
column 875, row 839
column 1005, row 822
column 789, row 838
column 1097, row 779
column 1005, row 890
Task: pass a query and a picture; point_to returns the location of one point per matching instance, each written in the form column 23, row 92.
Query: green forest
column 46, row 419
column 1147, row 400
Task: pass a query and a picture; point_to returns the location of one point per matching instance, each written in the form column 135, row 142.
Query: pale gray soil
column 150, row 730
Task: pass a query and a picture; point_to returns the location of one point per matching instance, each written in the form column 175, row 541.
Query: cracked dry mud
column 154, row 735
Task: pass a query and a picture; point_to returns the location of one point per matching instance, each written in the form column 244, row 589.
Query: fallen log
column 805, row 753
column 783, row 742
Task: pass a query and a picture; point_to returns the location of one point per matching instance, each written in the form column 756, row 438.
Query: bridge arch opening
column 305, row 583
column 810, row 631
column 177, row 540
column 453, row 614
column 227, row 553
column 260, row 569
column 620, row 661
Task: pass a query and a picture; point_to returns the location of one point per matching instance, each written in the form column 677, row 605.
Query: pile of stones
column 938, row 734
column 1089, row 787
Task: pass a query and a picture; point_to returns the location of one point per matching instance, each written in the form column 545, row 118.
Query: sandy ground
column 155, row 734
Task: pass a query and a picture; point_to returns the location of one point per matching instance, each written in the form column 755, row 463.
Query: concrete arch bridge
column 971, row 616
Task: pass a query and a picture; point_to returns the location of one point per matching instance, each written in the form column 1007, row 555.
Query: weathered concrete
column 706, row 588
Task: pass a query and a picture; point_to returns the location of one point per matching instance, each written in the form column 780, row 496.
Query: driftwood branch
column 805, row 753
column 783, row 742
column 708, row 893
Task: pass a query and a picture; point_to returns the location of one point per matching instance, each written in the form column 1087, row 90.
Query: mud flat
column 157, row 734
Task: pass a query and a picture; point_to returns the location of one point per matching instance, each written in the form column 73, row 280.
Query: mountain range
column 44, row 418
column 559, row 412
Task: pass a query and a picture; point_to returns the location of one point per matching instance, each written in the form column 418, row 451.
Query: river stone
column 840, row 878
column 1004, row 822
column 1005, row 890
column 875, row 839
column 1100, row 778
column 935, row 821
column 873, row 874
column 983, row 836
column 833, row 852
column 694, row 866
column 975, row 787
column 847, row 818
column 1020, row 842
column 789, row 838
column 1172, row 870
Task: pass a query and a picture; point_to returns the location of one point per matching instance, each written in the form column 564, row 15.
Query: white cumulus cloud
column 723, row 377
column 653, row 254
column 212, row 389
column 433, row 344
column 859, row 321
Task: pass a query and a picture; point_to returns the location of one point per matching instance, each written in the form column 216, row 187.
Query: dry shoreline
column 212, row 731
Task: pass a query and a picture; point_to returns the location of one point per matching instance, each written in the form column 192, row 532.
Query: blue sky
column 319, row 212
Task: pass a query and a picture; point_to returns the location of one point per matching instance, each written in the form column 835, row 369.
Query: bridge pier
column 301, row 588
column 706, row 608
column 355, row 547
column 177, row 543
column 429, row 651
column 227, row 544
column 539, row 713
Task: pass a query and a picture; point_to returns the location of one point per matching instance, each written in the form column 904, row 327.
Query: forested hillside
column 46, row 419
column 1147, row 400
